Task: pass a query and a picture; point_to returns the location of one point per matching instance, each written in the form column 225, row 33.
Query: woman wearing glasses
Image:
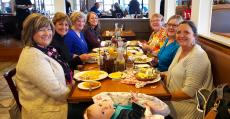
column 170, row 46
column 40, row 79
column 157, row 38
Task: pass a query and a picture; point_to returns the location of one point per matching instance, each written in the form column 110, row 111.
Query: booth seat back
column 219, row 56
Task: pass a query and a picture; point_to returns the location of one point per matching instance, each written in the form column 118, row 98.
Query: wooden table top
column 107, row 85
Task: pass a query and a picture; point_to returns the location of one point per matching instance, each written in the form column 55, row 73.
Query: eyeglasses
column 172, row 25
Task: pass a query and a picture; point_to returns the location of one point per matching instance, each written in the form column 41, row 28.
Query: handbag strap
column 213, row 112
column 220, row 91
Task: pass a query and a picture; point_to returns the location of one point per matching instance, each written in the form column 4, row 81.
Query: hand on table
column 85, row 57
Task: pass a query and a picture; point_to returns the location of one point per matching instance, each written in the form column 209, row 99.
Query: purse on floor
column 215, row 104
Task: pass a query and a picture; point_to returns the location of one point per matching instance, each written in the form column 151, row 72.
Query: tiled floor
column 5, row 93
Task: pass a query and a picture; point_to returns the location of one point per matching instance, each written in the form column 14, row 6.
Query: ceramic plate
column 90, row 75
column 142, row 66
column 117, row 75
column 142, row 60
column 101, row 49
column 86, row 85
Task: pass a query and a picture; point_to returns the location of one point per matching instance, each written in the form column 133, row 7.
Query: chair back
column 8, row 76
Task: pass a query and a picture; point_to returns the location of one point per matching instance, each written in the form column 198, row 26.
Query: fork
column 90, row 87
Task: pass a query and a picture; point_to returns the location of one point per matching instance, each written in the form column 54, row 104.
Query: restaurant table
column 108, row 85
column 127, row 34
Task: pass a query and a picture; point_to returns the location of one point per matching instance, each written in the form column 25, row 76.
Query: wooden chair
column 8, row 76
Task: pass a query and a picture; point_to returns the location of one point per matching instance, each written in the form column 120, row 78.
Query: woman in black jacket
column 92, row 31
column 62, row 23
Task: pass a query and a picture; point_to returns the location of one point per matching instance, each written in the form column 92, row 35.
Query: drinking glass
column 129, row 64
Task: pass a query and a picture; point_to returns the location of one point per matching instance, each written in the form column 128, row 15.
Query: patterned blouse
column 157, row 39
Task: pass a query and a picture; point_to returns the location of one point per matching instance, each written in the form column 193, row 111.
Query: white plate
column 101, row 49
column 112, row 75
column 132, row 43
column 140, row 84
column 81, row 86
column 134, row 48
column 142, row 66
column 147, row 59
column 101, row 75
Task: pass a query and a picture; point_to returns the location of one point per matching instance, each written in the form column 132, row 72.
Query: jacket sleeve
column 91, row 38
column 41, row 75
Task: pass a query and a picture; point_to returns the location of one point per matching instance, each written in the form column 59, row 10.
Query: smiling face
column 155, row 23
column 103, row 110
column 62, row 27
column 185, row 36
column 79, row 24
column 43, row 36
column 93, row 19
column 172, row 28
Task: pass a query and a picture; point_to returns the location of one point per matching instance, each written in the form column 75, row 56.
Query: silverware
column 90, row 87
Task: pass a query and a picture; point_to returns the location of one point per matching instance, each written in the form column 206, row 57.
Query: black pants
column 21, row 15
column 76, row 110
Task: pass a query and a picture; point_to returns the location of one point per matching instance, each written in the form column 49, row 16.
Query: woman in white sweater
column 40, row 78
column 189, row 71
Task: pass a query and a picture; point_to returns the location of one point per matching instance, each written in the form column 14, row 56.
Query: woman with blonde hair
column 158, row 36
column 75, row 39
column 40, row 78
column 62, row 24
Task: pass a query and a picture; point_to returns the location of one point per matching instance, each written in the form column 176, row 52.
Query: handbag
column 215, row 104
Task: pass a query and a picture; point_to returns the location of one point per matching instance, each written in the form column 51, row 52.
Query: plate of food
column 134, row 48
column 89, row 85
column 102, row 49
column 146, row 77
column 92, row 75
column 142, row 59
column 132, row 43
column 142, row 66
column 117, row 75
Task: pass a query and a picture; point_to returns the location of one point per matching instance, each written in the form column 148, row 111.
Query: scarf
column 52, row 52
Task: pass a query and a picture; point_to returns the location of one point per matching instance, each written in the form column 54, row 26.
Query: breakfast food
column 145, row 77
column 116, row 75
column 91, row 84
column 90, row 75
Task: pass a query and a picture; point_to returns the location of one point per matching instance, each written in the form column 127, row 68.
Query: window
column 6, row 6
column 106, row 4
column 49, row 6
column 145, row 4
column 76, row 5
